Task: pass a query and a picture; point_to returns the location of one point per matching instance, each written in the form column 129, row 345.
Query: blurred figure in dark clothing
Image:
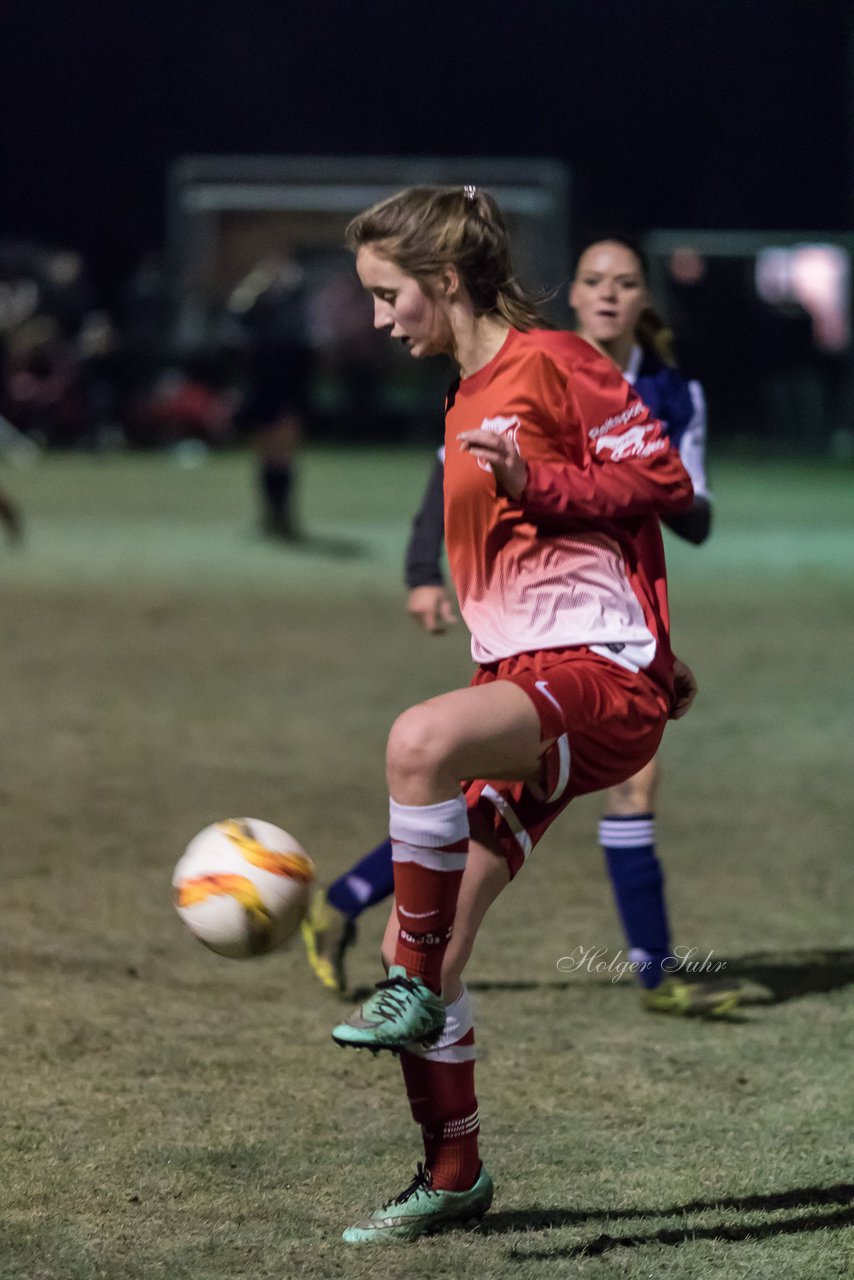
column 269, row 305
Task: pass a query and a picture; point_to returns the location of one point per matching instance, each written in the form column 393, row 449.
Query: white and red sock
column 440, row 1086
column 429, row 850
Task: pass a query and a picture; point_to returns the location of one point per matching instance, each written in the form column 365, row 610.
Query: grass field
column 168, row 1113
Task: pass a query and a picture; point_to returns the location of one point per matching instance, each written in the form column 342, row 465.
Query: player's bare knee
column 419, row 747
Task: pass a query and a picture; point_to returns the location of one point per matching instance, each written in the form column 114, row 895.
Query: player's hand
column 502, row 455
column 685, row 683
column 432, row 608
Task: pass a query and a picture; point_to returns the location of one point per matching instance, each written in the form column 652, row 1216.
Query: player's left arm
column 624, row 466
column 429, row 603
column 695, row 524
column 422, row 566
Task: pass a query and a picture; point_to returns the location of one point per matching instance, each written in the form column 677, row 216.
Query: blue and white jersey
column 680, row 406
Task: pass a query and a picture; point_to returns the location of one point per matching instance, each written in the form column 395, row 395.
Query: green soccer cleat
column 328, row 935
column 421, row 1209
column 402, row 1010
column 692, row 999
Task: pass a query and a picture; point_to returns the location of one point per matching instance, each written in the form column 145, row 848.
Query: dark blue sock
column 638, row 881
column 368, row 882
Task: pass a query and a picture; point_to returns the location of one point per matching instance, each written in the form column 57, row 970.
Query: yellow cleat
column 327, row 934
column 683, row 999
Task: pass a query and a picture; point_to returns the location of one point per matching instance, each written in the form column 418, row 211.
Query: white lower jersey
column 558, row 592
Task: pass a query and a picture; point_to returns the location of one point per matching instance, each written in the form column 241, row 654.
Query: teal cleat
column 402, row 1010
column 421, row 1209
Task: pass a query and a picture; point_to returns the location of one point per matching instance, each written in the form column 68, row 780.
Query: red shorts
column 606, row 722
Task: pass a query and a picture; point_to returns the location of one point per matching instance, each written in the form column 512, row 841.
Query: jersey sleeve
column 424, row 549
column 692, row 441
column 622, row 462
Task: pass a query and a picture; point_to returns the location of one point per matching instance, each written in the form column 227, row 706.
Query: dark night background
column 732, row 113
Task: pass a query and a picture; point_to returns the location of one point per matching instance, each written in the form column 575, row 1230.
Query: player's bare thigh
column 490, row 731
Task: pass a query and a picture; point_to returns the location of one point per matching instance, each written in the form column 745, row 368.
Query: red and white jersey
column 578, row 558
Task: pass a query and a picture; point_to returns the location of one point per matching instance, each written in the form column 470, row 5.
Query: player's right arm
column 627, row 467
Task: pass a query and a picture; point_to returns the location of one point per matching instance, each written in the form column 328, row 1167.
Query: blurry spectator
column 38, row 280
column 167, row 399
column 99, row 366
column 58, row 360
column 20, row 291
column 67, row 294
column 184, row 402
column 42, row 393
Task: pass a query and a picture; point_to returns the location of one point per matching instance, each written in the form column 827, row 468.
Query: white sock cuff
column 429, row 826
column 459, row 1020
column 626, row 833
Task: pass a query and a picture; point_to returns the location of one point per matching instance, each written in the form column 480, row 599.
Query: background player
column 610, row 298
column 554, row 480
column 270, row 307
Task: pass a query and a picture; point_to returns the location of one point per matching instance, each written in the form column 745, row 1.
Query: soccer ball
column 242, row 887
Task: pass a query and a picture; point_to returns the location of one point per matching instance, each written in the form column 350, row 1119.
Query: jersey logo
column 630, row 444
column 617, row 420
column 501, row 427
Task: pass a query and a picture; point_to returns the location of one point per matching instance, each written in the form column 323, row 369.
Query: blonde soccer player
column 556, row 476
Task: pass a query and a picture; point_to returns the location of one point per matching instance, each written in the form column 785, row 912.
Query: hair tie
column 470, row 192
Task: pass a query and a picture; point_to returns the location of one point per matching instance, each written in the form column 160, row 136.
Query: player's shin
column 430, row 844
column 440, row 1086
